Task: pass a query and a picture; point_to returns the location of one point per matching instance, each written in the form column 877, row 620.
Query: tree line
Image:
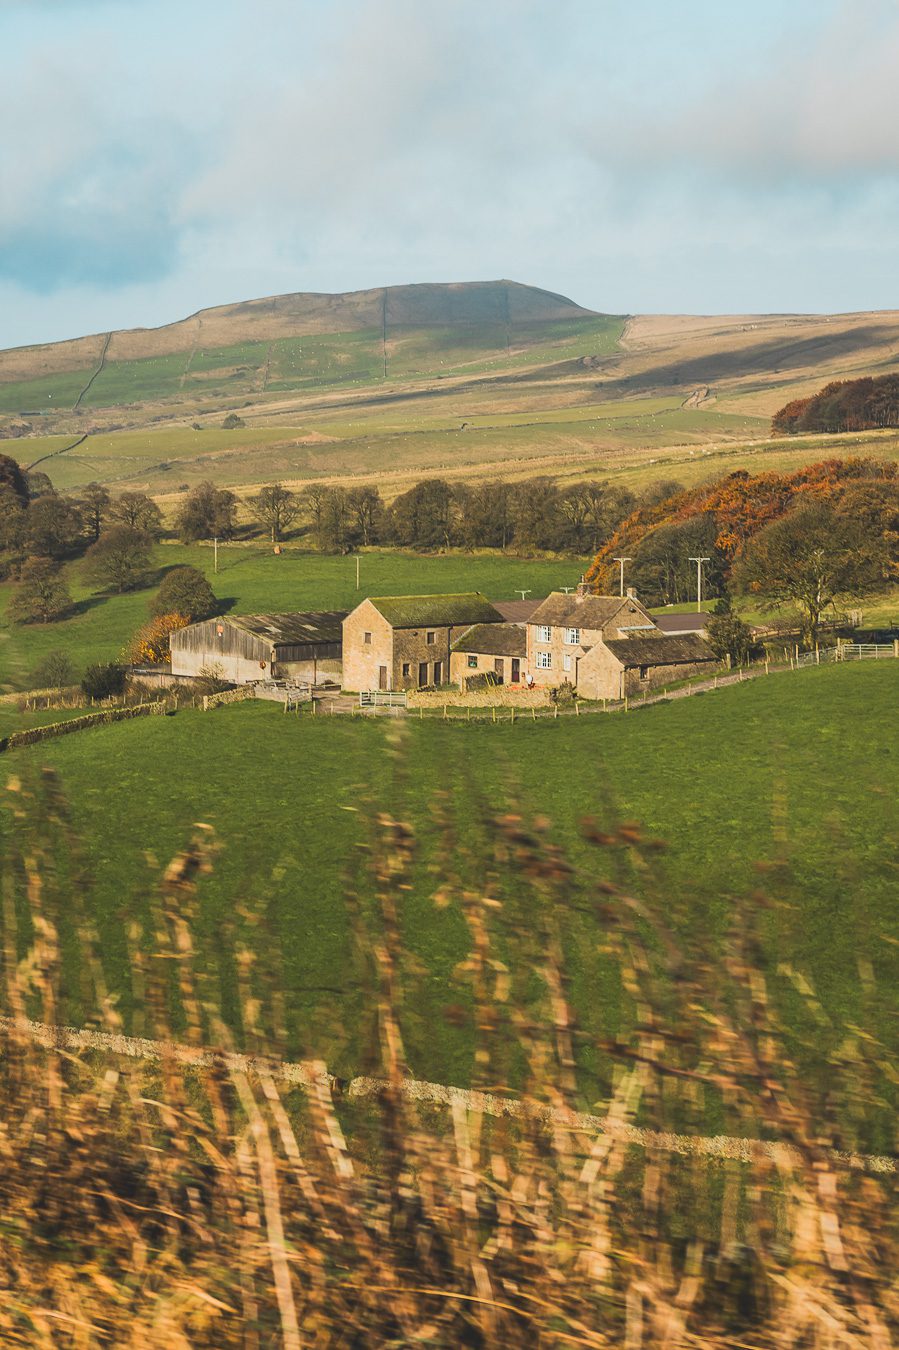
column 866, row 404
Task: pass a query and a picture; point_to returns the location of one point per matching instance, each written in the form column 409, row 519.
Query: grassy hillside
column 792, row 767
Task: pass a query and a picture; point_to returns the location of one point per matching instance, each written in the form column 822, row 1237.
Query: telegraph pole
column 523, row 594
column 699, row 562
column 357, row 571
column 621, row 562
column 215, row 546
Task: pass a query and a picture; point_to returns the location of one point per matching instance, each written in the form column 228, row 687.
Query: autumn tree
column 810, row 558
column 186, row 591
column 207, row 512
column 120, row 558
column 42, row 594
column 150, row 644
column 276, row 507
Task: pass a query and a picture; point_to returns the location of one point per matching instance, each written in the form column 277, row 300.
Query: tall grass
column 162, row 1204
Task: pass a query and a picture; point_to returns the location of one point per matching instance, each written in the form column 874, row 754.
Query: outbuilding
column 404, row 641
column 619, row 667
column 303, row 647
column 497, row 651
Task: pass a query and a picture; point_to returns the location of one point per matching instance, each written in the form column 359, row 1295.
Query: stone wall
column 238, row 695
column 503, row 696
column 35, row 734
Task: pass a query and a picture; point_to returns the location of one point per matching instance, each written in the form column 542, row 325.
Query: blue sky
column 637, row 155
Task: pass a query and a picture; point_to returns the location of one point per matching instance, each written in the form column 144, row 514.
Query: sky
column 639, row 156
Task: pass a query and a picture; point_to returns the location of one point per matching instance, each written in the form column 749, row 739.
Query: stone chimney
column 631, row 593
column 583, row 588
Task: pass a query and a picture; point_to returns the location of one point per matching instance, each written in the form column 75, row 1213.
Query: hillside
column 468, row 379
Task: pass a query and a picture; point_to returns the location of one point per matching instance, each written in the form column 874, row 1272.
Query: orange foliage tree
column 150, row 644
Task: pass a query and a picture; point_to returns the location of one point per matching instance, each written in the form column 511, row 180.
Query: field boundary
column 34, row 734
column 308, row 1073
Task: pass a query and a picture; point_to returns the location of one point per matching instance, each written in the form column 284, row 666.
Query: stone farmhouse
column 405, row 641
column 248, row 647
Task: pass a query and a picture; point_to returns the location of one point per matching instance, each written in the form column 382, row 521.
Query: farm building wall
column 394, row 658
column 657, row 676
column 362, row 661
column 461, row 667
column 314, row 670
column 599, row 674
column 235, row 655
column 566, row 657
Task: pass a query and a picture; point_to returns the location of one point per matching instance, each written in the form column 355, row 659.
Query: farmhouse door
column 515, row 677
column 498, row 669
column 422, row 674
column 382, row 677
column 438, row 672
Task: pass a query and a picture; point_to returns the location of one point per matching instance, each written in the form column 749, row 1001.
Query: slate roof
column 571, row 611
column 516, row 611
column 665, row 650
column 292, row 630
column 438, row 611
column 681, row 623
column 494, row 639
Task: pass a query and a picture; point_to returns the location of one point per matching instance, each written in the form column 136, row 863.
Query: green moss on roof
column 437, row 611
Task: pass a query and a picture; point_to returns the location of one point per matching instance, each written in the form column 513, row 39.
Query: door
column 515, row 677
column 382, row 677
column 438, row 672
column 422, row 674
column 498, row 669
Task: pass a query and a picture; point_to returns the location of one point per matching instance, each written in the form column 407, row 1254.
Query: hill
column 469, row 379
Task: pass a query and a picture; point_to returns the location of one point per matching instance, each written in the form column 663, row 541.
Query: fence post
column 896, row 646
column 534, row 713
column 444, row 712
column 493, row 710
column 577, row 708
column 512, row 711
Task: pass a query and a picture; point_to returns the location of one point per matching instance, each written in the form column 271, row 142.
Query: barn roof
column 494, row 639
column 665, row 650
column 577, row 611
column 291, row 630
column 681, row 623
column 443, row 611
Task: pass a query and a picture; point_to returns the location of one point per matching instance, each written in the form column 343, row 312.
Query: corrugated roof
column 664, row 650
column 494, row 639
column 441, row 611
column 680, row 623
column 323, row 625
column 577, row 611
column 516, row 611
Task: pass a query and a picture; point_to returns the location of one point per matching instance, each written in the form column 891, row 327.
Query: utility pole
column 357, row 571
column 699, row 562
column 523, row 594
column 621, row 562
column 215, row 545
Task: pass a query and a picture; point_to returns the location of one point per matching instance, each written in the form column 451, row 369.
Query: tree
column 487, row 514
column 186, row 591
column 810, row 558
column 232, row 422
column 661, row 569
column 54, row 672
column 366, row 512
column 276, row 507
column 426, row 516
column 313, row 501
column 207, row 512
column 94, row 506
column 55, row 527
column 42, row 594
column 103, row 680
column 729, row 637
column 138, row 512
column 535, row 506
column 13, row 477
column 150, row 644
column 120, row 558
column 13, row 518
column 335, row 526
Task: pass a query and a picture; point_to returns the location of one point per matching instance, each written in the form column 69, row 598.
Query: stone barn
column 498, row 650
column 616, row 667
column 404, row 641
column 248, row 647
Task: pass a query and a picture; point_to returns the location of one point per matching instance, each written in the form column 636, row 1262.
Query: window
column 407, row 670
column 366, row 637
column 430, row 637
column 544, row 633
column 644, row 672
column 472, row 663
column 566, row 662
column 572, row 636
column 544, row 660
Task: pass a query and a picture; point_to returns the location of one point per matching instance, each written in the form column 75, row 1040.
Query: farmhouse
column 490, row 653
column 619, row 667
column 248, row 647
column 405, row 641
column 564, row 628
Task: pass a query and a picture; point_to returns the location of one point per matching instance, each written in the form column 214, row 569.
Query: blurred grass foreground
column 194, row 1196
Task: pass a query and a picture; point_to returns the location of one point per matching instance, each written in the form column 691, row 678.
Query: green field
column 252, row 579
column 724, row 778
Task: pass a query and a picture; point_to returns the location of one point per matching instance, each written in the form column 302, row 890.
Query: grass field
column 798, row 764
column 253, row 579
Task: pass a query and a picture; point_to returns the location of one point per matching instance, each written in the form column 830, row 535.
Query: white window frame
column 572, row 637
column 544, row 633
column 566, row 661
column 544, row 660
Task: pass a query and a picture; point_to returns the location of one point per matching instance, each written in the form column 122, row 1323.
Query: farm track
column 86, row 388
column 309, row 1073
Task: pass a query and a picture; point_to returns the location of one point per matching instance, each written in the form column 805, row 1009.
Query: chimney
column 631, row 593
column 583, row 588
